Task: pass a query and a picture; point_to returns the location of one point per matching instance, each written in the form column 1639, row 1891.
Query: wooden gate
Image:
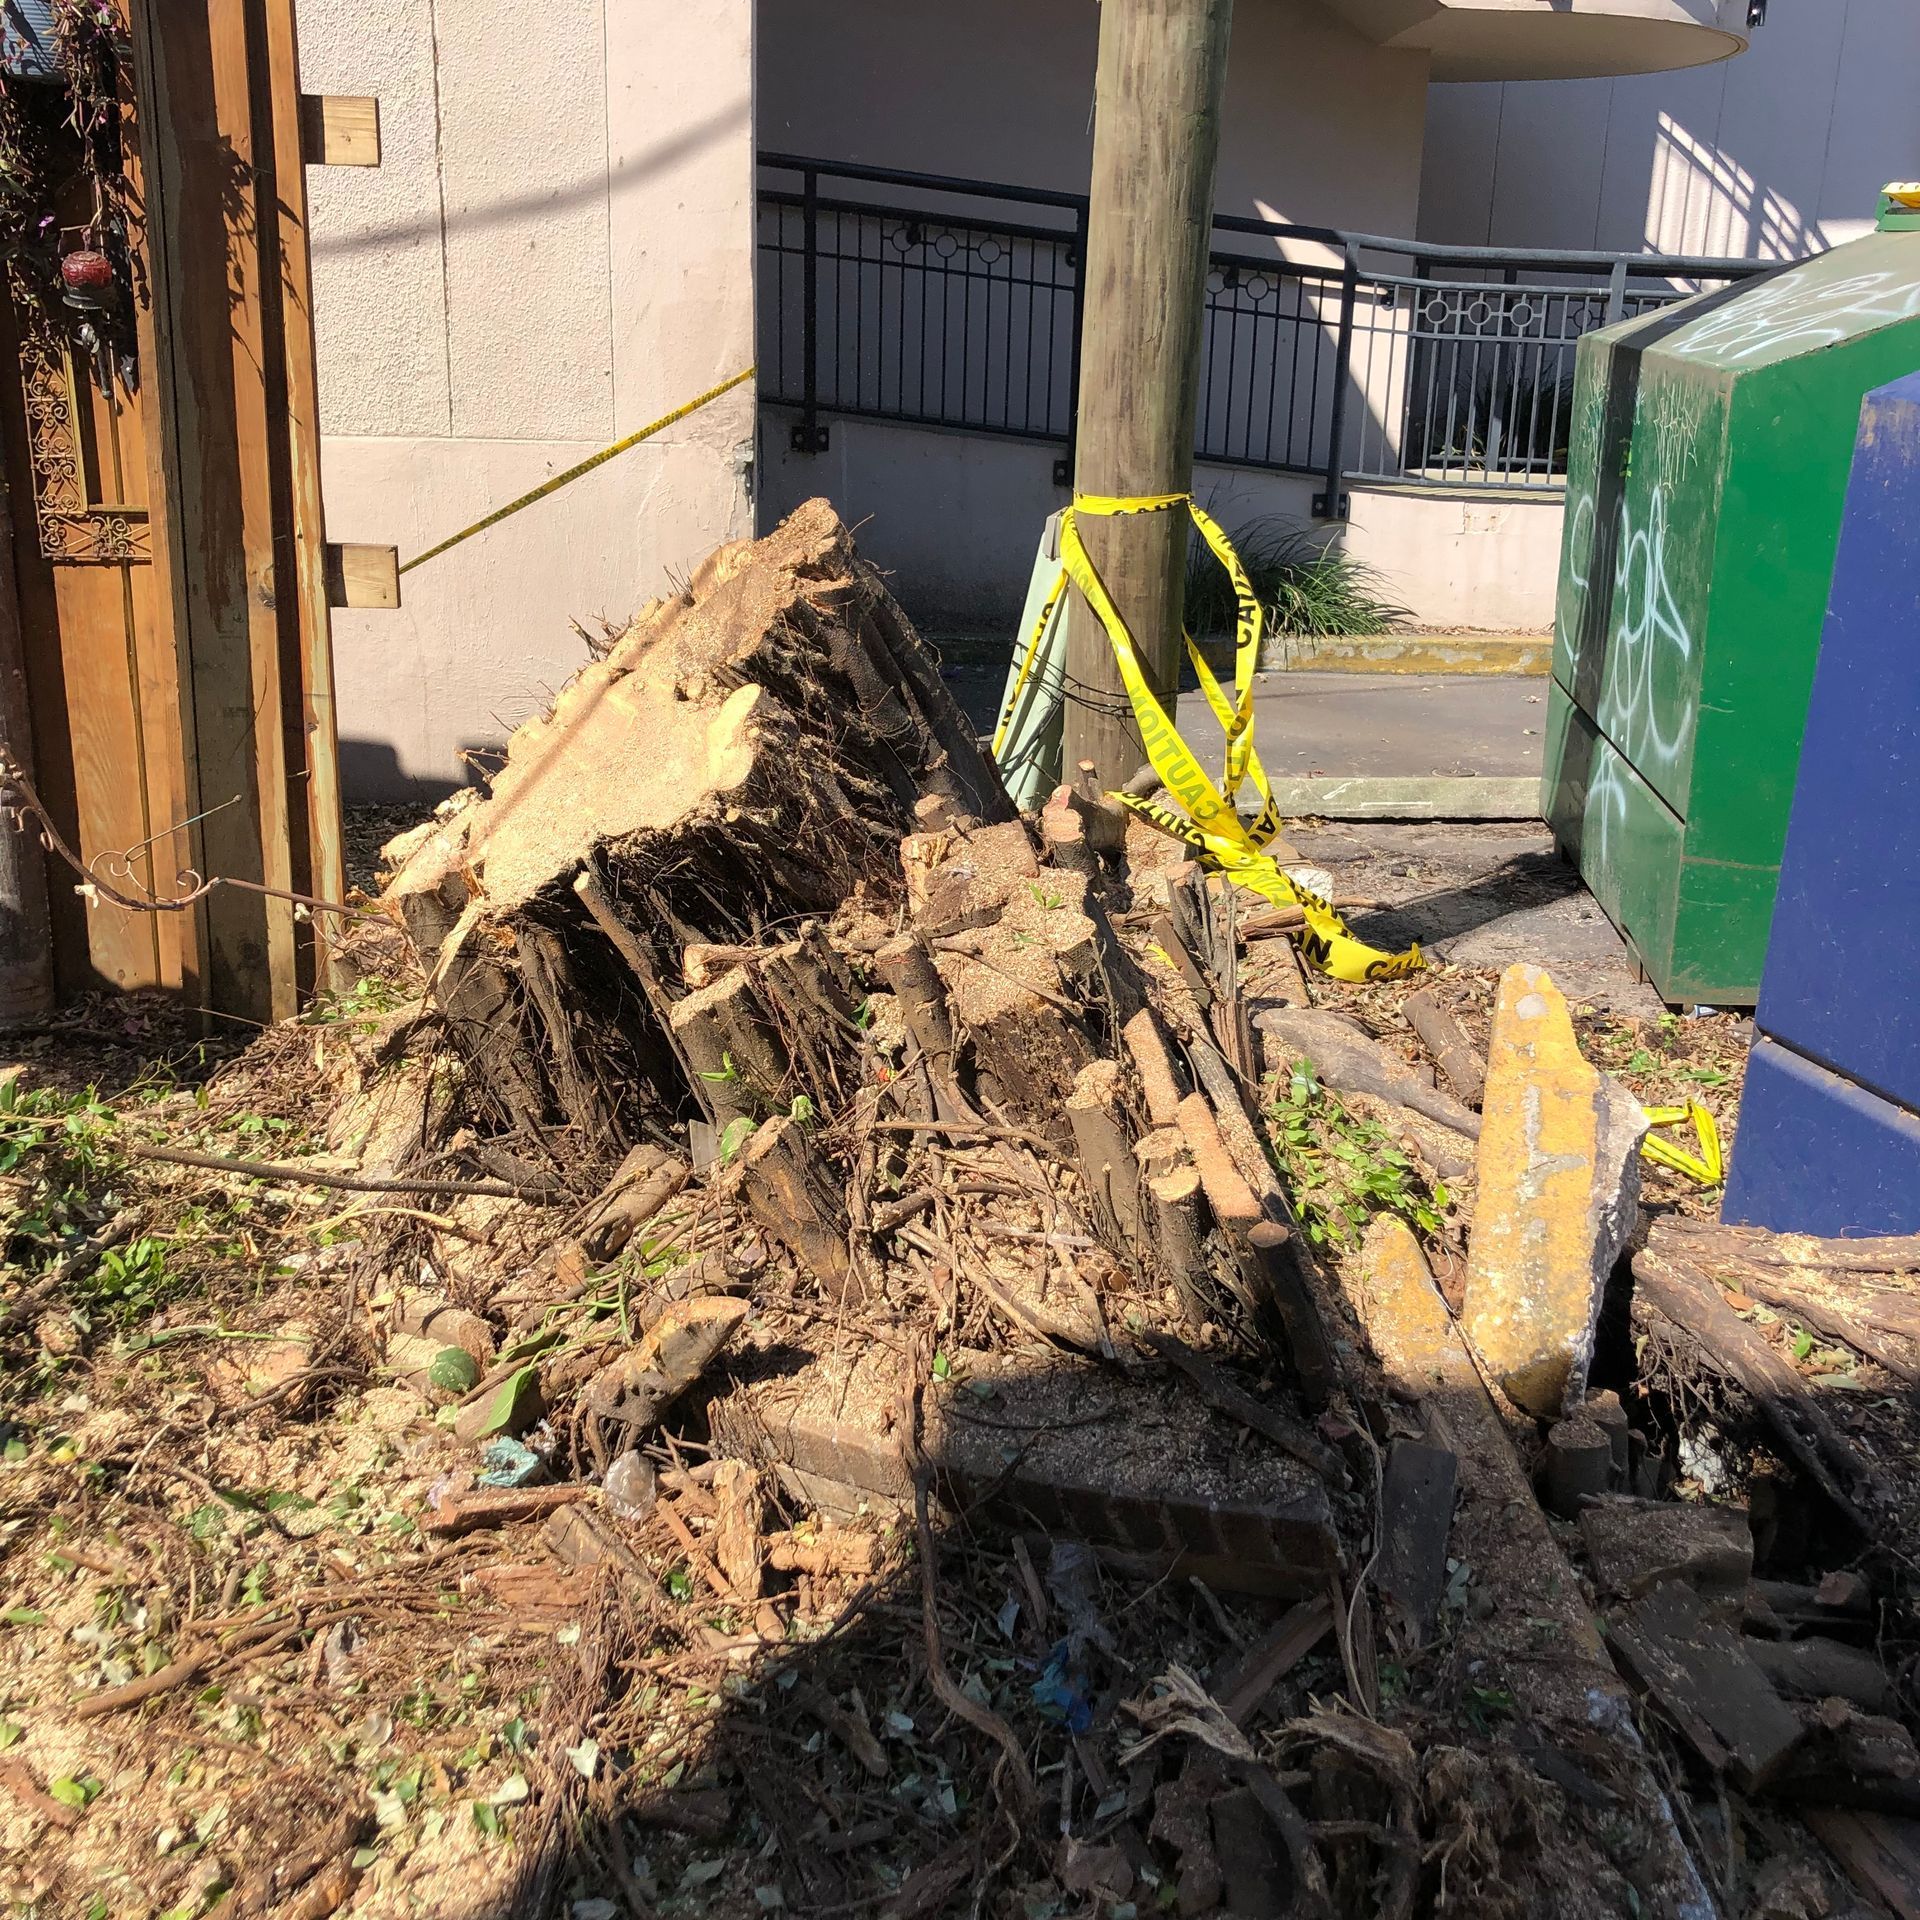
column 170, row 564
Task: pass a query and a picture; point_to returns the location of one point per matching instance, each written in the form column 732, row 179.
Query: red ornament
column 86, row 270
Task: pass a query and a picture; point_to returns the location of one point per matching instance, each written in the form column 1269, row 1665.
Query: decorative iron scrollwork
column 73, row 528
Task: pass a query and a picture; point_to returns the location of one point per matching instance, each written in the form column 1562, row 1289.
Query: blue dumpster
column 1829, row 1134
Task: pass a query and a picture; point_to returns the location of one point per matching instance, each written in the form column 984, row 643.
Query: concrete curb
column 1436, row 797
column 1522, row 653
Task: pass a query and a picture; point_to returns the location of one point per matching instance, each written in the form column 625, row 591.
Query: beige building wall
column 1778, row 153
column 556, row 249
column 1321, row 127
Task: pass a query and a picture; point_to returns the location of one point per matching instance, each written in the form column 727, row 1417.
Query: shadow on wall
column 371, row 774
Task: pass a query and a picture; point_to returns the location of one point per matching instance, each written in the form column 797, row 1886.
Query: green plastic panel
column 1625, row 840
column 1708, row 462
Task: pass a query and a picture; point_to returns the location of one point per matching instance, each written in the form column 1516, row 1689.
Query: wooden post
column 239, row 549
column 1159, row 85
column 26, row 938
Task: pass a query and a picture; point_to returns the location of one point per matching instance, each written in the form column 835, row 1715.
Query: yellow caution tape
column 587, row 465
column 1708, row 1166
column 1210, row 822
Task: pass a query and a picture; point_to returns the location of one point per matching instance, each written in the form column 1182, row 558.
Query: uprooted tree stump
column 746, row 756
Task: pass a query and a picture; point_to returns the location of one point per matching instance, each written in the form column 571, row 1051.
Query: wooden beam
column 364, row 577
column 26, row 936
column 313, row 747
column 339, row 130
column 1156, row 140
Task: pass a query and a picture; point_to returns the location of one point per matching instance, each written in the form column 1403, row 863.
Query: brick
column 1139, row 1467
column 1558, row 1178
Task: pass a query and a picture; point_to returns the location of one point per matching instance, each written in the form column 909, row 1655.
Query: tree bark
column 1160, row 80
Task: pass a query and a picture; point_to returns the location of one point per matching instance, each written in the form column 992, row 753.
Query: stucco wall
column 1321, row 126
column 556, row 249
column 955, row 518
column 1772, row 155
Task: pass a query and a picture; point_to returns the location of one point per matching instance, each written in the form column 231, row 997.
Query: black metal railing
column 941, row 302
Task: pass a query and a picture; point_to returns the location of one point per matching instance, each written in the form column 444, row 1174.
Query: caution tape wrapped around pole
column 1209, row 821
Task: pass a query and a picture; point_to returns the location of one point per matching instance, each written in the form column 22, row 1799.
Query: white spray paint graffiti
column 1603, row 819
column 1644, row 706
column 1801, row 308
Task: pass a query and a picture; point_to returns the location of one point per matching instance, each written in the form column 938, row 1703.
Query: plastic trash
column 505, row 1462
column 630, row 1486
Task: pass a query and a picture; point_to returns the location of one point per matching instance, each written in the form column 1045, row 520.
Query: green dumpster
column 1706, row 472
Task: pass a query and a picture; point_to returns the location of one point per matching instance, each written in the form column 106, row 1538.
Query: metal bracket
column 809, row 439
column 1063, row 473
column 1342, row 507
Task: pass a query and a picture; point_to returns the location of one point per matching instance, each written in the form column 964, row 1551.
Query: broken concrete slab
column 1634, row 1546
column 1558, row 1175
column 1536, row 1640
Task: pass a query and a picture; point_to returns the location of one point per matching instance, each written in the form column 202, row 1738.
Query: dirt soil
column 266, row 1648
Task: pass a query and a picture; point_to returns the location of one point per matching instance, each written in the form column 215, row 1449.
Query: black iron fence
column 941, row 302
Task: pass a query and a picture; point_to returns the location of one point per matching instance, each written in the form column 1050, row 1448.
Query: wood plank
column 158, row 588
column 315, row 760
column 219, row 380
column 1244, row 1682
column 363, row 576
column 26, row 937
column 1416, row 1519
column 339, row 130
column 1879, row 1851
column 1699, row 1672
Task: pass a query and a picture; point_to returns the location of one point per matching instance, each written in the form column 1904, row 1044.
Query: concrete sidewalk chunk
column 1559, row 1191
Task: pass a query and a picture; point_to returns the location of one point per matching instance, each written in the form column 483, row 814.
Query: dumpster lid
column 1835, row 297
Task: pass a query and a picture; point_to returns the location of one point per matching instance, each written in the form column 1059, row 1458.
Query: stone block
column 1558, row 1176
column 1635, row 1545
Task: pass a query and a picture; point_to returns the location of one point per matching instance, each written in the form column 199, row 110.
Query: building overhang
column 1552, row 39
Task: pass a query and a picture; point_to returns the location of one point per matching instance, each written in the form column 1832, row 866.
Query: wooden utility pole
column 1156, row 140
column 26, row 939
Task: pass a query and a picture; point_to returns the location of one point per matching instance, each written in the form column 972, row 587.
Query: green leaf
column 24, row 1617
column 75, row 1791
column 734, row 1136
column 454, row 1370
column 1802, row 1344
column 508, row 1402
column 487, row 1820
column 942, row 1366
column 11, row 1732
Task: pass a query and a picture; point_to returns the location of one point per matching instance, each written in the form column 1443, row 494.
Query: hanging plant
column 72, row 281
